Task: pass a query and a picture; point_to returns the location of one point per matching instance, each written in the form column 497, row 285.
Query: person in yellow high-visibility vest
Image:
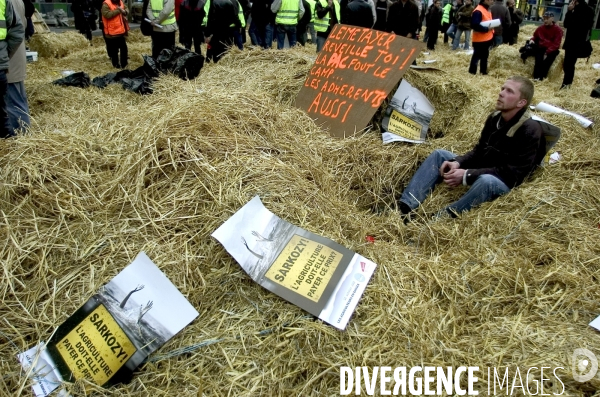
column 287, row 14
column 12, row 32
column 327, row 14
column 161, row 13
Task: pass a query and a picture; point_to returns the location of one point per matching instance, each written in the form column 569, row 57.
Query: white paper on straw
column 596, row 323
column 546, row 107
column 430, row 61
column 491, row 24
column 596, row 66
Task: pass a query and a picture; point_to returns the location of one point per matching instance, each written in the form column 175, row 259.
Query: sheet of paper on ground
column 546, row 107
column 106, row 339
column 408, row 116
column 310, row 271
column 352, row 75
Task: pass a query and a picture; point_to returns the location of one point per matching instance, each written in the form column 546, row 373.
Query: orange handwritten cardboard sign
column 352, row 75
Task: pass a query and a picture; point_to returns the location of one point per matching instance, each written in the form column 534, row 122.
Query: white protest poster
column 407, row 117
column 546, row 107
column 313, row 272
column 107, row 338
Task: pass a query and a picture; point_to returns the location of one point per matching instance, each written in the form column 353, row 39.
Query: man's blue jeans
column 282, row 30
column 459, row 32
column 486, row 187
column 17, row 106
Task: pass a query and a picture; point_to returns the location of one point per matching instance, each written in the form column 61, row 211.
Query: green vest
column 206, row 8
column 313, row 5
column 446, row 14
column 157, row 7
column 321, row 25
column 240, row 16
column 3, row 30
column 288, row 13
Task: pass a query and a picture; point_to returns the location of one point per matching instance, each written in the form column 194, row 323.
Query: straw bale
column 508, row 58
column 104, row 174
column 57, row 45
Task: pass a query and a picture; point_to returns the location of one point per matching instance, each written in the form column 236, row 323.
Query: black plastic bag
column 188, row 66
column 79, row 79
column 137, row 85
column 103, row 81
column 596, row 92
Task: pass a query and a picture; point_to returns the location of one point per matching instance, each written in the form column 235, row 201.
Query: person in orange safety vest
column 114, row 18
column 482, row 38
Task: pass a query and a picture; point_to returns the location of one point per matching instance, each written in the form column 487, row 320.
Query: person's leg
column 155, row 44
column 313, row 33
column 237, row 38
column 268, row 38
column 320, row 42
column 124, row 51
column 113, row 51
column 280, row 36
column 427, row 176
column 17, row 107
column 432, row 39
column 538, row 67
column 569, row 67
column 467, row 38
column 497, row 40
column 5, row 130
column 456, row 41
column 477, row 48
column 547, row 64
column 485, row 53
column 253, row 32
column 486, row 188
column 291, row 34
column 451, row 31
column 198, row 37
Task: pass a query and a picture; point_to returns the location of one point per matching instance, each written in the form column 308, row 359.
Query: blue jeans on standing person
column 320, row 42
column 17, row 106
column 497, row 40
column 486, row 187
column 282, row 31
column 459, row 32
column 268, row 39
column 313, row 33
column 256, row 38
column 5, row 130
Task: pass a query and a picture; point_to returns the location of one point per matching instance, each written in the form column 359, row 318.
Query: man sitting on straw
column 547, row 38
column 509, row 149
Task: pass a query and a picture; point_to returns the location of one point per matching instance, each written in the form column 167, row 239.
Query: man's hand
column 455, row 177
column 448, row 166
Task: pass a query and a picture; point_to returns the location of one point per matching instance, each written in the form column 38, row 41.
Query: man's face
column 437, row 4
column 548, row 21
column 487, row 2
column 468, row 2
column 510, row 4
column 510, row 96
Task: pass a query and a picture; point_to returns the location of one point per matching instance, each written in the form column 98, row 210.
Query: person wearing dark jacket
column 262, row 24
column 499, row 11
column 359, row 13
column 302, row 28
column 578, row 23
column 192, row 15
column 403, row 18
column 219, row 33
column 510, row 148
column 547, row 38
column 509, row 36
column 463, row 24
column 84, row 15
column 433, row 21
column 381, row 10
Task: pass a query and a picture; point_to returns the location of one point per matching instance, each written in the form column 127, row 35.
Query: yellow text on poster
column 401, row 125
column 96, row 348
column 305, row 266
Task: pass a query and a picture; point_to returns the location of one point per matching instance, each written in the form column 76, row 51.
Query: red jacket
column 548, row 37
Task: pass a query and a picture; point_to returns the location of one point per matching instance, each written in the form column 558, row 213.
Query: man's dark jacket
column 359, row 13
column 403, row 18
column 509, row 153
column 578, row 23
